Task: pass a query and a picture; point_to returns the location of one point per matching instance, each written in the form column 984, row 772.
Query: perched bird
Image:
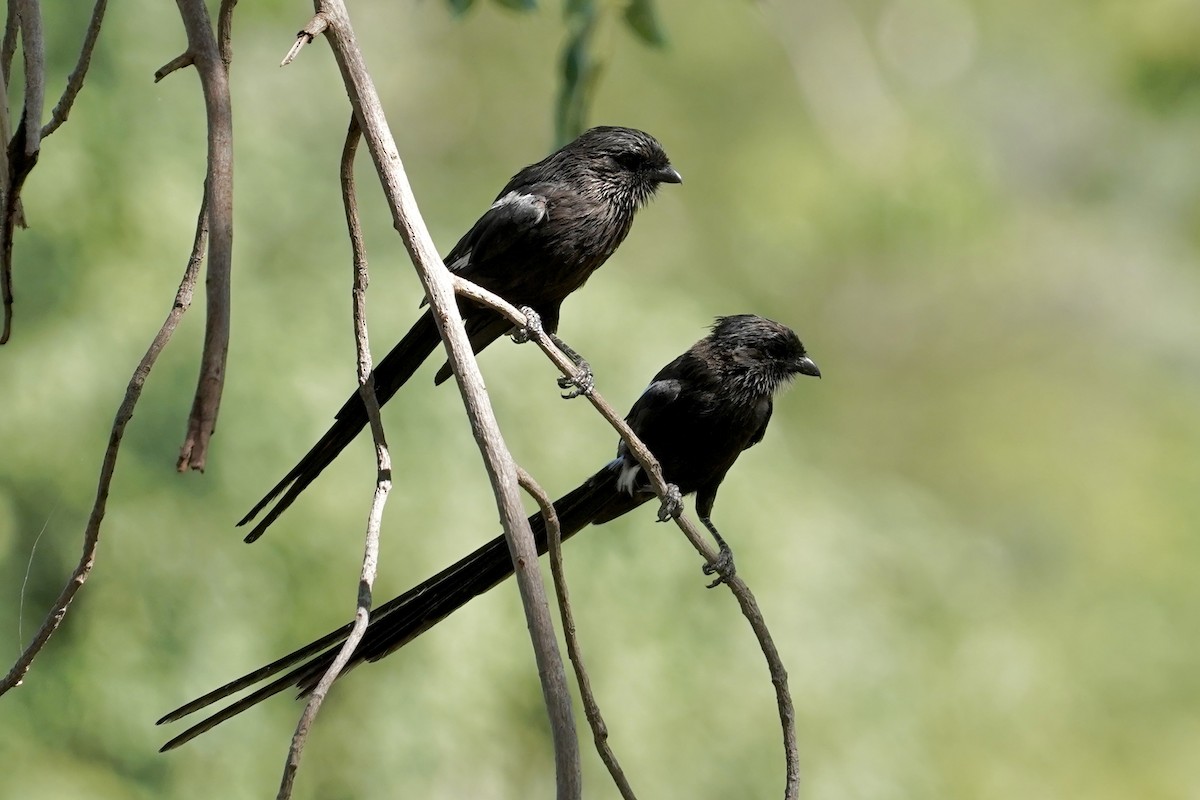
column 549, row 229
column 697, row 416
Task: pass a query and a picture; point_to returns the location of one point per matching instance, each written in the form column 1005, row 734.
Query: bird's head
column 627, row 162
column 760, row 355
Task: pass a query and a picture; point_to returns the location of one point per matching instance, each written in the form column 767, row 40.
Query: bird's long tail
column 390, row 374
column 402, row 619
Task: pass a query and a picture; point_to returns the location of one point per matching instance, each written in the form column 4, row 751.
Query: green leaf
column 518, row 5
column 579, row 72
column 459, row 7
column 579, row 8
column 642, row 18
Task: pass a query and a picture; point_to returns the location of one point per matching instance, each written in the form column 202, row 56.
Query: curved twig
column 91, row 537
column 214, row 80
column 75, row 82
column 591, row 708
column 383, row 475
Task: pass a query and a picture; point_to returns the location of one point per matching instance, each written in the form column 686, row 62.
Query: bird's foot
column 533, row 326
column 672, row 504
column 580, row 384
column 722, row 566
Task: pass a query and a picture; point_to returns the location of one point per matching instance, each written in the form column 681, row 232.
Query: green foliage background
column 975, row 539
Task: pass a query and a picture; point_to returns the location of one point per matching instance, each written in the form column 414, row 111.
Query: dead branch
column 591, row 709
column 225, row 32
column 214, row 81
column 25, row 145
column 383, row 475
column 501, row 470
column 12, row 29
column 75, row 81
column 91, row 537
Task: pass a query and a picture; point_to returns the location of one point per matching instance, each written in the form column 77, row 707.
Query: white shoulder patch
column 457, row 264
column 524, row 204
column 627, row 480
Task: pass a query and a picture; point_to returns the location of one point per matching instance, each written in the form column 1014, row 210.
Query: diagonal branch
column 501, row 470
column 75, row 82
column 91, row 537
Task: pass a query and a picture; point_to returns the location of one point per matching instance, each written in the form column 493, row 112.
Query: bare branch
column 435, row 280
column 214, row 80
column 311, row 30
column 24, row 147
column 225, row 32
column 91, row 536
column 75, row 82
column 33, row 50
column 177, row 63
column 591, row 708
column 12, row 28
column 383, row 462
column 745, row 598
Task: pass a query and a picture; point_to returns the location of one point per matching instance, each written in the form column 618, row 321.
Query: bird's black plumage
column 697, row 416
column 553, row 225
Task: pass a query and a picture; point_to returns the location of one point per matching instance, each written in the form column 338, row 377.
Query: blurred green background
column 975, row 539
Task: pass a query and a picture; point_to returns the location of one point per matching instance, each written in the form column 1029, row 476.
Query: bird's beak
column 668, row 174
column 806, row 366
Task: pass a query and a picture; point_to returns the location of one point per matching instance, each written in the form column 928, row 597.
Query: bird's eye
column 628, row 160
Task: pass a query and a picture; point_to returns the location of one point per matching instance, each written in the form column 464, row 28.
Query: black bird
column 697, row 416
column 549, row 229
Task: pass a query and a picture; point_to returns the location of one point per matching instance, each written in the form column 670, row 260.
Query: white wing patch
column 627, row 480
column 457, row 264
column 524, row 205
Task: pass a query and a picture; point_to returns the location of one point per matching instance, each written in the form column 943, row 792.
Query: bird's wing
column 762, row 429
column 657, row 398
column 507, row 222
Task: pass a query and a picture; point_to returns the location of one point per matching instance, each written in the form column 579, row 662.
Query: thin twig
column 91, row 536
column 218, row 107
column 311, row 30
column 225, row 31
column 12, row 28
column 591, row 708
column 24, row 147
column 184, row 59
column 745, row 598
column 75, row 82
column 383, row 462
column 34, row 53
column 498, row 461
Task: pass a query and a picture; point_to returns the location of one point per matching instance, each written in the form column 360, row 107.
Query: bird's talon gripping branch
column 533, row 326
column 580, row 384
column 722, row 566
column 672, row 504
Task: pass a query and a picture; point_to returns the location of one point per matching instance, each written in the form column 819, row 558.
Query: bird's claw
column 672, row 504
column 578, row 385
column 533, row 326
column 722, row 566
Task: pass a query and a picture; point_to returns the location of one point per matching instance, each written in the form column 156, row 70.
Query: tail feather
column 402, row 619
column 389, row 375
